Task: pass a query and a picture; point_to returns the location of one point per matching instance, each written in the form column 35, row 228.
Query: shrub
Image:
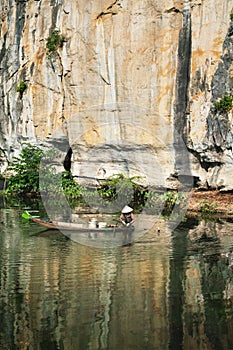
column 70, row 186
column 224, row 105
column 164, row 203
column 172, row 198
column 54, row 41
column 21, row 87
column 25, row 169
column 119, row 185
column 231, row 16
column 207, row 208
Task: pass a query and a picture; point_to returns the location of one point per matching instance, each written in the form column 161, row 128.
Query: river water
column 168, row 290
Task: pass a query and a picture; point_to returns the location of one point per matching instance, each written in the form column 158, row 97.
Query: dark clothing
column 127, row 218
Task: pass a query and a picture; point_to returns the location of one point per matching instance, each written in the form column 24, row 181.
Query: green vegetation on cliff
column 224, row 105
column 28, row 175
column 54, row 41
column 25, row 171
column 21, row 88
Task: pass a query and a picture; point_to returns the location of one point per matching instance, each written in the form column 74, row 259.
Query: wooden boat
column 73, row 226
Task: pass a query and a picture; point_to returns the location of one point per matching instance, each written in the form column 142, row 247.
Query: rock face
column 131, row 90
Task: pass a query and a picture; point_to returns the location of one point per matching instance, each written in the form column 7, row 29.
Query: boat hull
column 71, row 226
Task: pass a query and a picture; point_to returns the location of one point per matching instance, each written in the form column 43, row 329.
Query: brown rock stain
column 39, row 56
column 91, row 136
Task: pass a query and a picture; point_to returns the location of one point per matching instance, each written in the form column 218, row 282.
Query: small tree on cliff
column 224, row 105
column 21, row 88
column 54, row 41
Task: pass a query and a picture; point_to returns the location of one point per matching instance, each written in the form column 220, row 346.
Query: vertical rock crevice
column 183, row 76
column 181, row 106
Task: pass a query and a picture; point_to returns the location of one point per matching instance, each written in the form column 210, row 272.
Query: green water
column 172, row 290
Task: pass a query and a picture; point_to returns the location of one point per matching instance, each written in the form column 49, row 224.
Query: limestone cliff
column 132, row 79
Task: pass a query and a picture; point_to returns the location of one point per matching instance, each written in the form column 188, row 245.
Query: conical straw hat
column 126, row 209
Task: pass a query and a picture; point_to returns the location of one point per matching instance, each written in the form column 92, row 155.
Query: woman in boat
column 127, row 218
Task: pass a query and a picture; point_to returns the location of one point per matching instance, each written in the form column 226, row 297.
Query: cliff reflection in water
column 167, row 291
